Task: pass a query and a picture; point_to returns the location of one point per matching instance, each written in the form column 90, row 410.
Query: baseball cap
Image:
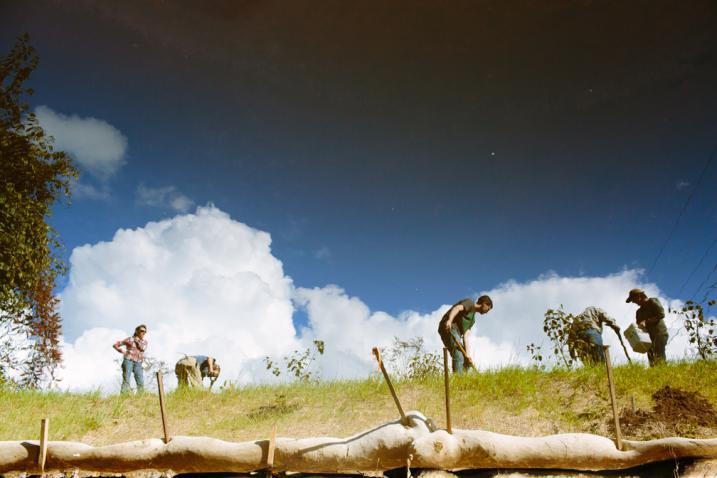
column 633, row 294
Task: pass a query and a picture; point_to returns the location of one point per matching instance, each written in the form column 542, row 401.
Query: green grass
column 520, row 401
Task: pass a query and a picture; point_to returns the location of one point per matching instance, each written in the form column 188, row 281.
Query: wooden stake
column 270, row 453
column 160, row 387
column 42, row 456
column 634, row 408
column 618, row 435
column 446, row 381
column 377, row 354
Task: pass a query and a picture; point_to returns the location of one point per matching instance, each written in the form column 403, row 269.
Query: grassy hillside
column 514, row 401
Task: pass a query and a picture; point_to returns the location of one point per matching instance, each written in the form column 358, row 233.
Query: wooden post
column 634, row 408
column 42, row 455
column 377, row 354
column 160, row 387
column 446, row 381
column 270, row 453
column 618, row 434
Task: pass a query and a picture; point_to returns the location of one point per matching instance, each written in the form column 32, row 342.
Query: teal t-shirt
column 465, row 319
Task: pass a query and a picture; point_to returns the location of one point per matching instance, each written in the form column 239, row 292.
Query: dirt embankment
column 676, row 413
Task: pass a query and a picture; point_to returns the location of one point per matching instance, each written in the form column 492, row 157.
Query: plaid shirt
column 135, row 348
column 593, row 318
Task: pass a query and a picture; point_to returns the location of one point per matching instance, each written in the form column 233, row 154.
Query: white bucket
column 639, row 340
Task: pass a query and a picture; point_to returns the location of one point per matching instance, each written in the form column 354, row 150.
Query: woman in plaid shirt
column 133, row 357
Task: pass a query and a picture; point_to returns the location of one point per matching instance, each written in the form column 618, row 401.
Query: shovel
column 465, row 354
column 623, row 346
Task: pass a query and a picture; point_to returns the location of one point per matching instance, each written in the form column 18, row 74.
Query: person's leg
column 659, row 336
column 448, row 343
column 195, row 376
column 597, row 354
column 459, row 360
column 126, row 374
column 139, row 376
column 651, row 355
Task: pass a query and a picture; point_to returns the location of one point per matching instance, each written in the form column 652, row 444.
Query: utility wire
column 704, row 282
column 702, row 259
column 684, row 207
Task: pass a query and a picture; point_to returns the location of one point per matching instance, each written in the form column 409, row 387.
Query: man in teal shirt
column 454, row 327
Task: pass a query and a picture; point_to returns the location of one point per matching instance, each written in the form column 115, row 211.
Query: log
column 385, row 447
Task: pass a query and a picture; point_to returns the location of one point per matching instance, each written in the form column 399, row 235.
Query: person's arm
column 609, row 321
column 457, row 309
column 655, row 314
column 117, row 346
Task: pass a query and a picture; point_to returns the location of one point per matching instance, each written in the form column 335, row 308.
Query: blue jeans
column 128, row 368
column 449, row 340
column 592, row 346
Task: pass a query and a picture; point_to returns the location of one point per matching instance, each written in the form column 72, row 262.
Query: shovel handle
column 465, row 354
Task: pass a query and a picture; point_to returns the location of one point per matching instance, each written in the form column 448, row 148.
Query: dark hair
column 484, row 299
column 140, row 326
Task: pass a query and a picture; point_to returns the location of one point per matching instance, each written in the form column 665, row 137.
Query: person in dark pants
column 651, row 318
column 585, row 339
column 133, row 357
column 454, row 327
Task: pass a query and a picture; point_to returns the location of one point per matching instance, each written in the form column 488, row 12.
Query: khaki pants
column 188, row 374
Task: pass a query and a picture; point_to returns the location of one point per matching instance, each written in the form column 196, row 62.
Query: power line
column 684, row 207
column 702, row 259
column 704, row 282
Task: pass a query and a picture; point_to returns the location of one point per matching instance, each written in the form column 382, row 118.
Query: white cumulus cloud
column 203, row 284
column 167, row 197
column 350, row 330
column 97, row 146
column 207, row 284
column 519, row 308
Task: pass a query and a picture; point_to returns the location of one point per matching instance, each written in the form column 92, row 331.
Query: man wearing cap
column 650, row 317
column 585, row 339
column 133, row 357
column 192, row 369
column 456, row 323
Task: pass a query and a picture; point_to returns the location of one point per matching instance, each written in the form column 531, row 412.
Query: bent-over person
column 192, row 369
column 455, row 325
column 585, row 339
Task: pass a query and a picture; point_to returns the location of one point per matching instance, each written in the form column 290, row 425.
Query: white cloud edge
column 164, row 243
column 97, row 146
column 164, row 197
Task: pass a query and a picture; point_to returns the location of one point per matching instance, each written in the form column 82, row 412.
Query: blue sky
column 410, row 153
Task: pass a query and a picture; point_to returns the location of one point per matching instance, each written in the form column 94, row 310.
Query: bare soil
column 676, row 412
